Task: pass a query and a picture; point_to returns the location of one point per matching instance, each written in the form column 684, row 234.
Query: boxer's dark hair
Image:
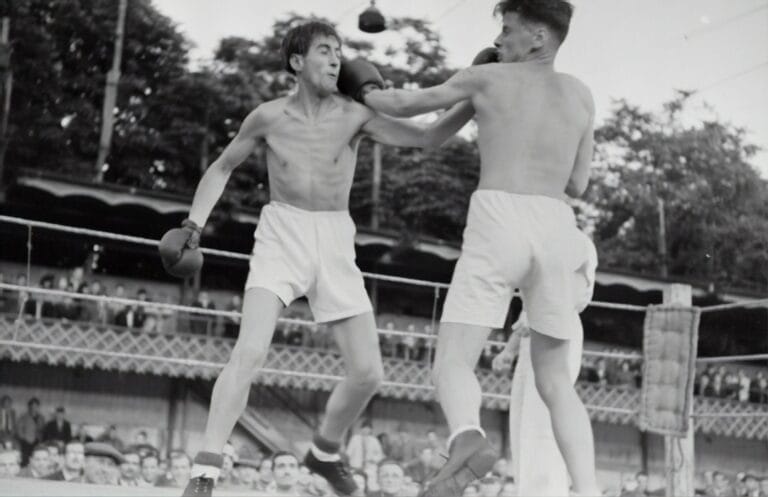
column 555, row 14
column 300, row 38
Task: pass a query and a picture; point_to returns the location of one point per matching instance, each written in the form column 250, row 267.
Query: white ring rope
column 734, row 358
column 236, row 255
column 221, row 253
column 232, row 314
column 736, row 305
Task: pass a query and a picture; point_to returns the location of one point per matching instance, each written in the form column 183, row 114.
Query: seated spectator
column 721, row 487
column 285, row 473
column 226, row 476
column 624, row 376
column 150, row 468
column 7, row 419
column 178, row 474
column 47, row 303
column 387, row 341
column 130, row 470
column 232, row 324
column 743, row 386
column 58, row 428
column 102, row 464
column 247, row 472
column 110, row 437
column 23, row 302
column 55, row 456
column 391, row 479
column 9, row 463
column 265, row 475
column 203, row 324
column 97, row 309
column 74, row 462
column 761, row 383
column 39, row 463
column 703, row 387
column 764, row 486
column 115, row 309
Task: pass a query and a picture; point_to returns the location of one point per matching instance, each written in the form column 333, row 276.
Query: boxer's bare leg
column 261, row 309
column 359, row 343
column 570, row 421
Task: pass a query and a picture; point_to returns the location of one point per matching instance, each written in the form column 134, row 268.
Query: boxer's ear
column 297, row 62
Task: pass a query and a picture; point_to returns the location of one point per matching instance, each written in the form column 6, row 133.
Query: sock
column 463, row 429
column 207, row 465
column 324, row 449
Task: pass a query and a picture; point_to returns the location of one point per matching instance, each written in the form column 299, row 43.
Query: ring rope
column 222, row 253
column 236, row 255
column 749, row 357
column 232, row 314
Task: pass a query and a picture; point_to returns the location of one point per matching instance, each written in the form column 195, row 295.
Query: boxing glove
column 358, row 77
column 486, row 56
column 180, row 250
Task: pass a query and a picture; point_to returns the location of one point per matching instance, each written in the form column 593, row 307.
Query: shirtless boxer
column 304, row 242
column 535, row 137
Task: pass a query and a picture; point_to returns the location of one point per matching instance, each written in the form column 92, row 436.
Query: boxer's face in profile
column 517, row 39
column 320, row 67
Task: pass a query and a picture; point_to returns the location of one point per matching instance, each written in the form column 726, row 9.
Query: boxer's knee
column 247, row 357
column 368, row 378
column 552, row 384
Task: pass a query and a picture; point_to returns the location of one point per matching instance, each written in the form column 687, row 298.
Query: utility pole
column 6, row 85
column 662, row 238
column 376, row 190
column 110, row 94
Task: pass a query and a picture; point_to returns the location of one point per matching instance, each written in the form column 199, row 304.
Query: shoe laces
column 203, row 484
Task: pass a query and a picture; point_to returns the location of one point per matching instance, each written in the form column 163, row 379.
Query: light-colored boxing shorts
column 529, row 242
column 298, row 252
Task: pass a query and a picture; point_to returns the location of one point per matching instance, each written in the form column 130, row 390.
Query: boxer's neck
column 311, row 103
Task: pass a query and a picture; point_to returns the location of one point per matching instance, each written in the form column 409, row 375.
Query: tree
column 715, row 203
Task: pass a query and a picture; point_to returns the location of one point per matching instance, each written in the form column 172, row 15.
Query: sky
column 638, row 50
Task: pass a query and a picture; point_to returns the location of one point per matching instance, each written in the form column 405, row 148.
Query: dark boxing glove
column 358, row 77
column 486, row 56
column 180, row 250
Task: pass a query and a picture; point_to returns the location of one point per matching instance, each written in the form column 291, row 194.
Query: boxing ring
column 187, row 355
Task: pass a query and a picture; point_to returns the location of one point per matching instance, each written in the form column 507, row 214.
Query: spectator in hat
column 74, row 462
column 102, row 464
column 39, row 463
column 58, row 428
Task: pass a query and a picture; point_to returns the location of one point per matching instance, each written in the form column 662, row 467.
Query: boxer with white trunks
column 536, row 139
column 304, row 242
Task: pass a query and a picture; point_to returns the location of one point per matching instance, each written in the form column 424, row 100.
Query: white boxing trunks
column 529, row 242
column 298, row 252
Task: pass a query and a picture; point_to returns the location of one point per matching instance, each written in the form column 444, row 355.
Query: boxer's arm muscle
column 406, row 103
column 577, row 184
column 214, row 180
column 405, row 133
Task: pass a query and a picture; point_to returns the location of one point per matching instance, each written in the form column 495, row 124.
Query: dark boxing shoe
column 336, row 473
column 470, row 458
column 199, row 486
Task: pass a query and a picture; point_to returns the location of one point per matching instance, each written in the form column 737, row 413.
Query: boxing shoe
column 335, row 472
column 470, row 457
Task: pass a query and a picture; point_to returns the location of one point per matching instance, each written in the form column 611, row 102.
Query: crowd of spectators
column 388, row 464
